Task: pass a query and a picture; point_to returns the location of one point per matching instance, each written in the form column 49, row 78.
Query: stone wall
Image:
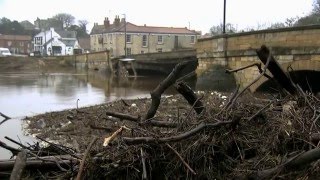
column 288, row 45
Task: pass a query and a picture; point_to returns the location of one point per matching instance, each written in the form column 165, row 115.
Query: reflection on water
column 28, row 94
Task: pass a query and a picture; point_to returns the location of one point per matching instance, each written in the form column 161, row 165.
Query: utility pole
column 224, row 17
column 125, row 36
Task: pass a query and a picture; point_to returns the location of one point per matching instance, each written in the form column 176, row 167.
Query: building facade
column 139, row 39
column 17, row 44
column 56, row 43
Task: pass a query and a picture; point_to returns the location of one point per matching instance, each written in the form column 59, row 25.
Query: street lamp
column 224, row 17
column 125, row 36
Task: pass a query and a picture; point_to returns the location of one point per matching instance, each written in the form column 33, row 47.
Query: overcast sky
column 199, row 14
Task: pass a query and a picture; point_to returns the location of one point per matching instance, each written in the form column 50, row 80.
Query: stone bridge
column 296, row 49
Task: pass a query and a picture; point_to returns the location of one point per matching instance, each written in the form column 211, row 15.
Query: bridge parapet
column 288, row 45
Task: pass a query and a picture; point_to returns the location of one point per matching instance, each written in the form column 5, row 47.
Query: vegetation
column 67, row 20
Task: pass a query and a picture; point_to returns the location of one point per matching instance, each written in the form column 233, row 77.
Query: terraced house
column 139, row 39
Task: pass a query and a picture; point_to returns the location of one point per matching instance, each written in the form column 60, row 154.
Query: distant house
column 139, row 39
column 17, row 44
column 56, row 43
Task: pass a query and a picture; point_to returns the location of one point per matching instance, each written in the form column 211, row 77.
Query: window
column 160, row 40
column 159, row 49
column 192, row 40
column 128, row 51
column 144, row 41
column 38, row 40
column 142, row 52
column 128, row 38
column 21, row 44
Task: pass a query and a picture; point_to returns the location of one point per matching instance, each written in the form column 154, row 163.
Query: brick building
column 17, row 44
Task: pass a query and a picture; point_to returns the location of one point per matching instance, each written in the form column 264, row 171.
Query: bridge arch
column 304, row 72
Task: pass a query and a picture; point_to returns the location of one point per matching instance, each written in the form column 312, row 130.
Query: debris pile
column 192, row 135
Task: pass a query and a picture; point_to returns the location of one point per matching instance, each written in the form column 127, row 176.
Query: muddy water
column 26, row 94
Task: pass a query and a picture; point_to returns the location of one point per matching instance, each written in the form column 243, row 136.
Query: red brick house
column 17, row 44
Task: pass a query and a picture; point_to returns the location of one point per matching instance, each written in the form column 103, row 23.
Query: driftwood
column 190, row 96
column 137, row 119
column 19, row 165
column 5, row 116
column 13, row 150
column 291, row 164
column 185, row 135
column 45, row 162
column 157, row 92
column 79, row 175
column 279, row 75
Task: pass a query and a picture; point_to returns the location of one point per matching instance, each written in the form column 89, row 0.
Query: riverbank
column 256, row 137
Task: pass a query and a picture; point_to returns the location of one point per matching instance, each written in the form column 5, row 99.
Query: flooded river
column 27, row 94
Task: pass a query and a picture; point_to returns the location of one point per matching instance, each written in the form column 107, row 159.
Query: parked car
column 4, row 52
column 35, row 53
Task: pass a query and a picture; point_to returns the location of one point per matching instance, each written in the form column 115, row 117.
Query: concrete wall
column 298, row 47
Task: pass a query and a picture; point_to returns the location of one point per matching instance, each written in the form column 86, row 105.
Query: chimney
column 122, row 20
column 106, row 23
column 116, row 21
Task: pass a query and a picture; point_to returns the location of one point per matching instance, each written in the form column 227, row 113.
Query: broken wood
column 190, row 96
column 79, row 175
column 276, row 70
column 185, row 135
column 19, row 165
column 157, row 92
column 299, row 161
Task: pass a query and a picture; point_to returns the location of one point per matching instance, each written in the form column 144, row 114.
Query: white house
column 56, row 43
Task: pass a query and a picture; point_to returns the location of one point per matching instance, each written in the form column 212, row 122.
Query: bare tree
column 83, row 24
column 67, row 19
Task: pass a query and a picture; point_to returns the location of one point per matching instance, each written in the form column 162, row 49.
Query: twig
column 183, row 161
column 185, row 135
column 260, row 110
column 79, row 175
column 144, row 172
column 229, row 71
column 23, row 146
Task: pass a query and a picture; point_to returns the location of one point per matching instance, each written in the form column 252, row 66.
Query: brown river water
column 27, row 94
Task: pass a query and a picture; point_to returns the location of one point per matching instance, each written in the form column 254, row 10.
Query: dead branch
column 137, row 119
column 21, row 145
column 301, row 160
column 19, row 165
column 185, row 135
column 79, row 175
column 144, row 169
column 183, row 161
column 5, row 116
column 13, row 150
column 190, row 96
column 276, row 70
column 229, row 71
column 157, row 92
column 123, row 116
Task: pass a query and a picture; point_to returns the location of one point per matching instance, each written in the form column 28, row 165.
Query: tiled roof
column 98, row 29
column 15, row 37
column 67, row 34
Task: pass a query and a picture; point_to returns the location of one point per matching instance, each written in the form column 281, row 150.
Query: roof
column 16, row 37
column 68, row 42
column 67, row 34
column 132, row 28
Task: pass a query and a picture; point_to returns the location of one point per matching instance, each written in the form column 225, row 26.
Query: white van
column 4, row 52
